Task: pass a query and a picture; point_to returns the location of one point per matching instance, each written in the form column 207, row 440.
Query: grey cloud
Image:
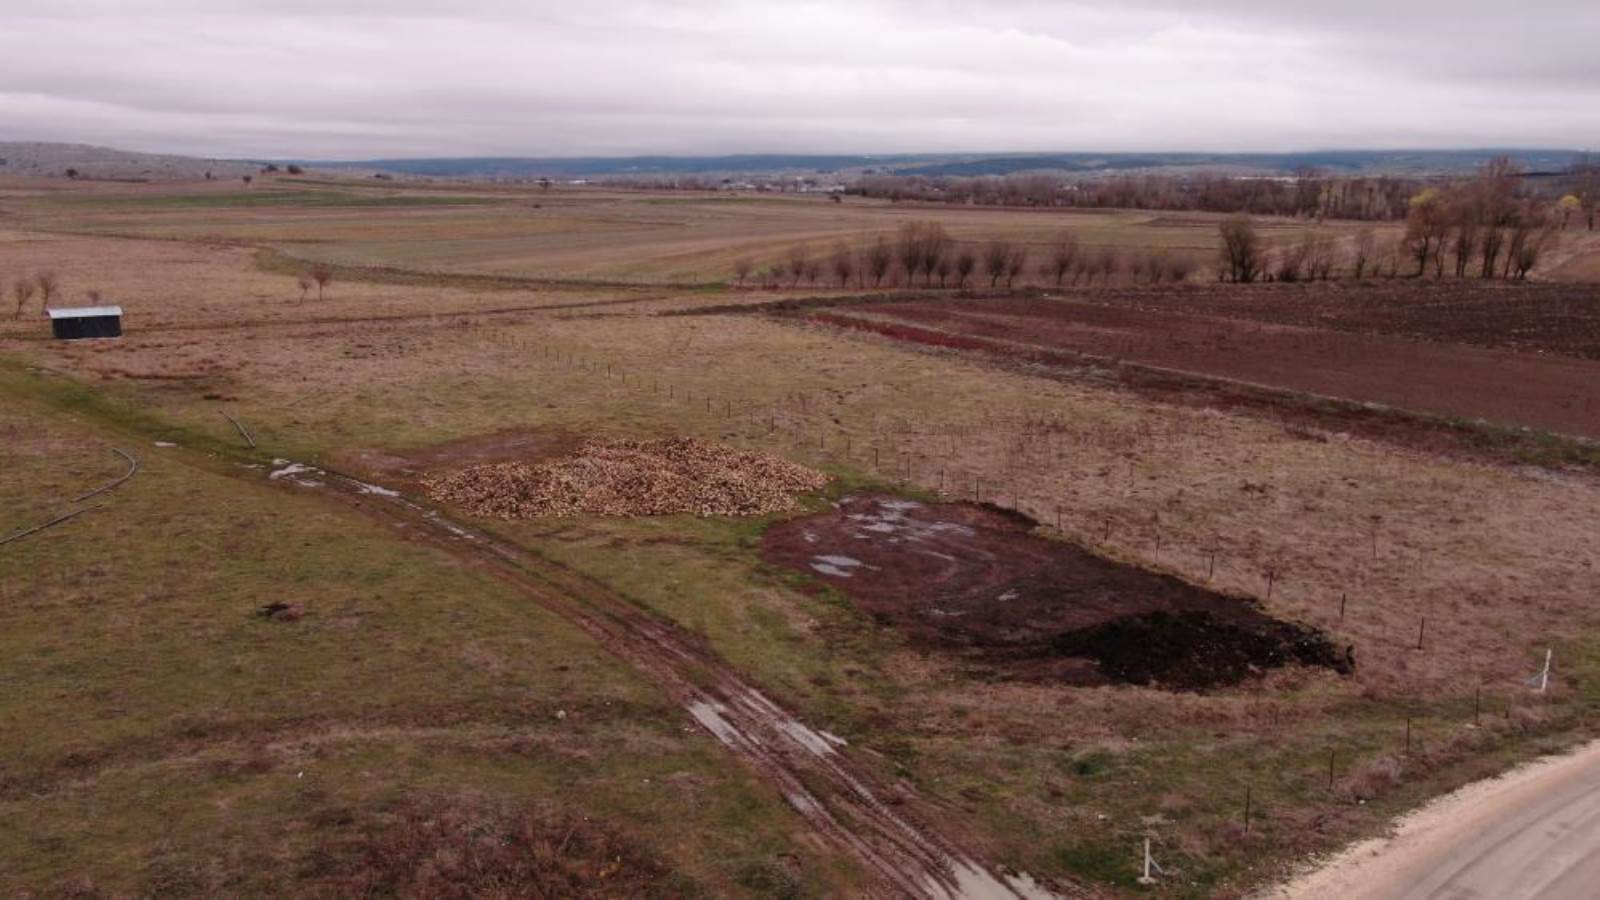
column 416, row 77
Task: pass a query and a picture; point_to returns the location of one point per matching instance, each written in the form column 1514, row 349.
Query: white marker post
column 1145, row 878
column 1544, row 677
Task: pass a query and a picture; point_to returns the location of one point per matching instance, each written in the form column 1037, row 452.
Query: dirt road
column 1532, row 833
column 888, row 829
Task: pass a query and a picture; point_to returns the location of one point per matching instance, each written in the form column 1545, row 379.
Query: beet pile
column 671, row 476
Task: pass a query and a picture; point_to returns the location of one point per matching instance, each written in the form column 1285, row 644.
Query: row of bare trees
column 44, row 285
column 1307, row 193
column 1483, row 227
column 923, row 253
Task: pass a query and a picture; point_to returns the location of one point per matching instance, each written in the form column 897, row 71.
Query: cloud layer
column 362, row 78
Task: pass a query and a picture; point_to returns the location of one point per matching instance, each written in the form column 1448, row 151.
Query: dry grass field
column 169, row 739
column 591, row 235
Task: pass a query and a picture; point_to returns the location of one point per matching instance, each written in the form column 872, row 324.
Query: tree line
column 924, row 254
column 1307, row 193
column 1483, row 227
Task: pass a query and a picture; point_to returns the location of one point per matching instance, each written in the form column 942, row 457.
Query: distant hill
column 609, row 166
column 50, row 159
column 1338, row 162
column 1367, row 162
column 53, row 160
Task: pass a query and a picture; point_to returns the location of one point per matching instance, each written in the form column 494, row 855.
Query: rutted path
column 840, row 799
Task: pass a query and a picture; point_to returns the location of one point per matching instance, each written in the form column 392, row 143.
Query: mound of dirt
column 631, row 478
column 974, row 580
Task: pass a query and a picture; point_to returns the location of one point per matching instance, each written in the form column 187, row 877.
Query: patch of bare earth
column 975, row 580
column 1530, row 387
column 670, row 476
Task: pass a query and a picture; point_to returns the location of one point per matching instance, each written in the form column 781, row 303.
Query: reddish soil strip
column 975, row 580
column 1531, row 317
column 1553, row 393
column 902, row 846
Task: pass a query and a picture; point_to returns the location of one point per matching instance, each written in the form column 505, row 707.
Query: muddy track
column 888, row 831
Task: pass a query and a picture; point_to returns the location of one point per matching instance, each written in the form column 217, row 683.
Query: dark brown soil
column 1529, row 317
column 975, row 580
column 1312, row 351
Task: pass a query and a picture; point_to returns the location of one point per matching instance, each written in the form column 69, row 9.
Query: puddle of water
column 287, row 469
column 709, row 715
column 837, row 566
column 365, row 488
column 973, row 883
column 813, row 741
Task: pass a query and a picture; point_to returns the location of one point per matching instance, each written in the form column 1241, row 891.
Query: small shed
column 86, row 322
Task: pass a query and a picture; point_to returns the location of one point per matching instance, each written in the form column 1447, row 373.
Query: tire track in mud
column 838, row 798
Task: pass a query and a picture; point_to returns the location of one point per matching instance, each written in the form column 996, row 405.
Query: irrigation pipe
column 133, row 466
column 53, row 522
column 242, row 432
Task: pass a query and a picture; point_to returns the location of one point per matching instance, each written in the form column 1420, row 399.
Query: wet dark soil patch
column 974, row 581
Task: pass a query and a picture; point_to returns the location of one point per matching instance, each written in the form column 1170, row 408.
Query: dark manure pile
column 975, row 581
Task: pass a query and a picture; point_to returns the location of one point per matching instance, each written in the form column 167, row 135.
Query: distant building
column 86, row 322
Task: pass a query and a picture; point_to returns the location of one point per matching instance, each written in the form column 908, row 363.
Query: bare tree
column 936, row 246
column 1362, row 250
column 843, row 262
column 1465, row 245
column 48, row 285
column 22, row 291
column 1241, row 250
column 996, row 260
column 1568, row 205
column 1063, row 253
column 1152, row 264
column 813, row 271
column 1427, row 222
column 966, row 261
column 742, row 268
column 799, row 258
column 246, row 179
column 304, row 282
column 1319, row 255
column 1108, row 262
column 1489, row 248
column 1588, row 187
column 322, row 274
column 908, row 248
column 1016, row 263
column 878, row 259
column 1529, row 231
column 1529, row 250
column 943, row 267
column 1179, row 267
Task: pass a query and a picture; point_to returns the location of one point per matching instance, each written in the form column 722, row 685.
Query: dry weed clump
column 1372, row 778
column 452, row 852
column 632, row 478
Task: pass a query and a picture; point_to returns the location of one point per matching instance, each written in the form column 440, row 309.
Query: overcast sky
column 367, row 78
